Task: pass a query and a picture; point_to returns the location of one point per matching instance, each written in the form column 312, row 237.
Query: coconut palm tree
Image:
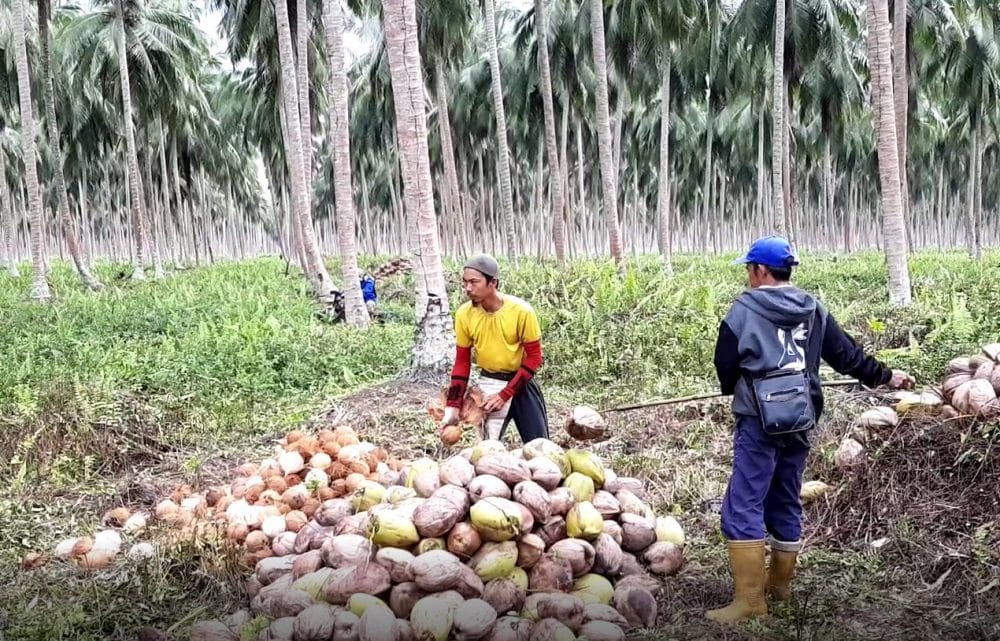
column 431, row 350
column 69, row 228
column 355, row 311
column 609, row 179
column 880, row 39
column 40, row 286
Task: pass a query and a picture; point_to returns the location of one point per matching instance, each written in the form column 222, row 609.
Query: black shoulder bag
column 783, row 398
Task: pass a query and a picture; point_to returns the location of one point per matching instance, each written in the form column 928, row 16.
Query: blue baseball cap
column 773, row 251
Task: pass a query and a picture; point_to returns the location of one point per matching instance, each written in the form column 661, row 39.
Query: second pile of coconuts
column 536, row 544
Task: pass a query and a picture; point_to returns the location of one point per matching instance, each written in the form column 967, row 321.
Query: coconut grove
column 499, row 320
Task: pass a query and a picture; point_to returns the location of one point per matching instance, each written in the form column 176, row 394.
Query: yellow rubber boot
column 780, row 576
column 747, row 561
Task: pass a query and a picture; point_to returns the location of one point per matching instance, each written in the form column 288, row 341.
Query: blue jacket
column 770, row 328
column 368, row 288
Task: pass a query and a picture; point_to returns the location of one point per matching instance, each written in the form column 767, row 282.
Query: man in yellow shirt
column 506, row 336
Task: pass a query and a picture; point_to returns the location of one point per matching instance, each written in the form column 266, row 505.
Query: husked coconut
column 403, row 597
column 607, row 556
column 530, row 548
column 551, row 630
column 545, row 472
column 455, row 495
column 979, row 395
column 428, row 545
column 959, row 365
column 457, row 471
column 636, row 605
column 397, row 562
column 473, row 620
column 347, row 550
column 370, row 578
column 849, row 454
column 637, row 533
column 504, row 466
column 561, row 500
column 552, row 530
column 433, row 618
column 464, row 540
column 436, row 517
column 551, row 574
column 614, row 530
column 345, row 625
column 578, row 552
column 562, row 607
column 601, row 631
column 307, row 563
column 664, row 558
column 534, row 497
column 630, row 565
column 496, row 519
column 469, row 585
column 436, row 571
column 271, row 569
column 494, row 560
column 603, row 612
column 333, row 511
column 486, row 486
column 377, row 624
column 404, row 631
column 992, row 352
column 642, row 581
column 951, row 384
column 510, row 628
column 585, row 424
column 504, row 595
column 315, row 623
column 879, row 417
column 606, row 503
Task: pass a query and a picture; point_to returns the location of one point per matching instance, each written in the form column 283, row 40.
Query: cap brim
column 742, row 260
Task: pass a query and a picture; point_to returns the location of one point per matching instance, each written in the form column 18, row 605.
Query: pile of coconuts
column 259, row 512
column 535, row 544
column 970, row 389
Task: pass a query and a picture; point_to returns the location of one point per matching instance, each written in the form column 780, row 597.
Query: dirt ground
column 889, row 578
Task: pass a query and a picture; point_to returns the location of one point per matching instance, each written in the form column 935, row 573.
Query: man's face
column 476, row 285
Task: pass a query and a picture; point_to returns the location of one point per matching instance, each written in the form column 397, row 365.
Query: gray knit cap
column 486, row 265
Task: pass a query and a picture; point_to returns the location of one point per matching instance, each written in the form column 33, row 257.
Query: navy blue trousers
column 763, row 493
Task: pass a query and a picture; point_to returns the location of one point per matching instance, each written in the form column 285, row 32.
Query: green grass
column 162, row 376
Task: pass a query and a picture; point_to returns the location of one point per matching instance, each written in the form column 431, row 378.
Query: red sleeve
column 460, row 376
column 532, row 361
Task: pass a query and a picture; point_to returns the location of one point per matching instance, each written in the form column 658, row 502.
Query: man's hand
column 901, row 380
column 493, row 403
column 450, row 417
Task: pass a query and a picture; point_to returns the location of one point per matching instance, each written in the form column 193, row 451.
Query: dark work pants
column 527, row 410
column 763, row 493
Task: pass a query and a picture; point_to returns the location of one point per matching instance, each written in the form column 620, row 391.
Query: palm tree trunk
column 355, row 311
column 608, row 178
column 151, row 207
column 448, row 155
column 503, row 151
column 135, row 188
column 551, row 146
column 901, row 93
column 7, row 218
column 55, row 145
column 40, row 286
column 888, row 163
column 778, row 146
column 663, row 190
column 316, row 272
column 434, row 340
column 302, row 25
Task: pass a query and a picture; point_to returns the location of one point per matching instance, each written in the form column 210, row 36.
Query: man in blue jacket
column 767, row 357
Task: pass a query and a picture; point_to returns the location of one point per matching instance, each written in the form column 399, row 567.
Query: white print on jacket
column 793, row 344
